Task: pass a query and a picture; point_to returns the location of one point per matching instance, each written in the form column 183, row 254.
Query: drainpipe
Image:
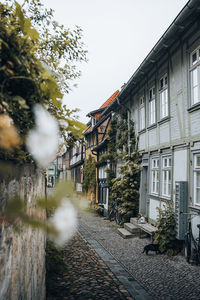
column 128, row 117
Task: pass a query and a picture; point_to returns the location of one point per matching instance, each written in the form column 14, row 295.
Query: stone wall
column 22, row 255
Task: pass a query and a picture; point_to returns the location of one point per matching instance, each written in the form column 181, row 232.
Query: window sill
column 164, row 120
column 160, row 198
column 194, row 107
column 195, row 207
column 142, row 131
column 154, row 125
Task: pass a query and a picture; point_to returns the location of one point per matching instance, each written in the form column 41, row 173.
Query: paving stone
column 162, row 277
column 88, row 276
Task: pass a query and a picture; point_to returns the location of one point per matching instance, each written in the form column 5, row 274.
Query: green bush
column 166, row 234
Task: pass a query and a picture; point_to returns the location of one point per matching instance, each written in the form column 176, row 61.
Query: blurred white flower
column 42, row 141
column 63, row 123
column 64, row 221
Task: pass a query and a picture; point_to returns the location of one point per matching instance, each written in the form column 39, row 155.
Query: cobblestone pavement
column 87, row 276
column 163, row 277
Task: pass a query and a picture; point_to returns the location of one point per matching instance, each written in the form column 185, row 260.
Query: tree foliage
column 31, row 71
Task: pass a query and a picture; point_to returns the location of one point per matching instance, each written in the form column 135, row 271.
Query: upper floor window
column 166, row 176
column 93, row 121
column 155, row 176
column 197, row 179
column 163, row 89
column 142, row 113
column 152, row 106
column 195, row 76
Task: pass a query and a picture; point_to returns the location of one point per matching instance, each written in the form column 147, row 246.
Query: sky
column 118, row 35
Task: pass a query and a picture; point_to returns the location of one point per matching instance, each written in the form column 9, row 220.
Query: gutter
column 162, row 42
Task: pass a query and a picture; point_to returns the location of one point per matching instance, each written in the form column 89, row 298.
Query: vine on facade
column 89, row 174
column 124, row 190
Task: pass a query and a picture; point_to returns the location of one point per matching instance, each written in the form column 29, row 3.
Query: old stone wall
column 22, row 255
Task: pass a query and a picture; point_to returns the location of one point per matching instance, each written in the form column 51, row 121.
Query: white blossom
column 65, row 221
column 42, row 141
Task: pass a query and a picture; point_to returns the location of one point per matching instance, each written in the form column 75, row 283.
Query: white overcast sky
column 118, row 35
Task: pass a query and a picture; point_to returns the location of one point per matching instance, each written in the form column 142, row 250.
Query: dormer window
column 93, row 121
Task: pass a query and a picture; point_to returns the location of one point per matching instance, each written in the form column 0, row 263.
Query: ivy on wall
column 89, row 174
column 124, row 190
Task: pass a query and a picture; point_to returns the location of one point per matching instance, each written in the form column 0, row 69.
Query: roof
column 181, row 24
column 97, row 113
column 110, row 100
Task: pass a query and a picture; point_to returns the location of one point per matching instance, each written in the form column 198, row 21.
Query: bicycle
column 192, row 253
column 114, row 212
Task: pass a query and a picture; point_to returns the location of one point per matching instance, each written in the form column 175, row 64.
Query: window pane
column 198, row 161
column 198, row 196
column 194, row 58
column 195, row 95
column 194, row 78
column 161, row 83
column 150, row 94
column 165, row 162
column 170, row 162
column 198, row 180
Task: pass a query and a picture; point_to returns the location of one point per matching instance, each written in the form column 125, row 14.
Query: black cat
column 151, row 247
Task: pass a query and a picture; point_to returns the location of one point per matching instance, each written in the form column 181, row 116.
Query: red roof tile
column 110, row 100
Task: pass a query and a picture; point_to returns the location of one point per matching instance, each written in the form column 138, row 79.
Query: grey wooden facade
column 163, row 97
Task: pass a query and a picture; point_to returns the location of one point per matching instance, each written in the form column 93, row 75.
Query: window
column 93, row 121
column 155, row 176
column 197, row 179
column 142, row 113
column 152, row 106
column 163, row 89
column 195, row 76
column 166, row 176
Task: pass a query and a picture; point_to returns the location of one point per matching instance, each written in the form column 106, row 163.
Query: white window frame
column 196, row 173
column 166, row 176
column 155, row 175
column 164, row 101
column 152, row 106
column 142, row 113
column 195, row 69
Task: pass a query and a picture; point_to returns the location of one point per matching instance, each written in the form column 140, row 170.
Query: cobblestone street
column 87, row 276
column 161, row 276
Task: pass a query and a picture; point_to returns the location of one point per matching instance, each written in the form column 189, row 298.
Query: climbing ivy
column 124, row 190
column 89, row 174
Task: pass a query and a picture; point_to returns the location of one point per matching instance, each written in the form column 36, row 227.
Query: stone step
column 134, row 221
column 125, row 233
column 131, row 228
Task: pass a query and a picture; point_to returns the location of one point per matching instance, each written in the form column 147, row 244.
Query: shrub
column 166, row 234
